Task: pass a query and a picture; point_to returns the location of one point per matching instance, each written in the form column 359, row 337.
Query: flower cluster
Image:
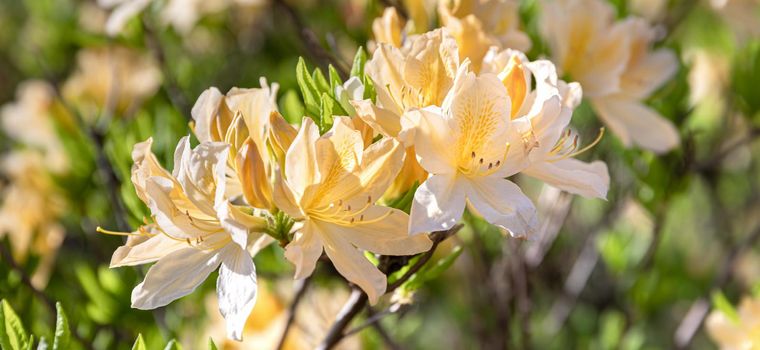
column 458, row 128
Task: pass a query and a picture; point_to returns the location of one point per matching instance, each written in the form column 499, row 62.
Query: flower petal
column 380, row 231
column 305, row 249
column 301, row 168
column 502, row 203
column 174, row 276
column 144, row 249
column 635, row 123
column 574, row 176
column 236, row 289
column 352, row 264
column 654, row 70
column 438, row 204
column 432, row 140
column 204, row 111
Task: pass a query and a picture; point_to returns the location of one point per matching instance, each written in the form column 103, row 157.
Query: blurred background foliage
column 638, row 271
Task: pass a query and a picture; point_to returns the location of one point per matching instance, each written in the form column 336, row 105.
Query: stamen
column 115, row 233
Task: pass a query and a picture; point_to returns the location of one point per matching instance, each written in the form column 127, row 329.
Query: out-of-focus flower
column 29, row 212
column 479, row 24
column 736, row 334
column 740, row 15
column 182, row 15
column 114, row 79
column 314, row 316
column 197, row 230
column 248, row 121
column 464, row 146
column 388, row 28
column 542, row 146
column 652, row 10
column 708, row 76
column 615, row 65
column 330, row 184
column 29, row 120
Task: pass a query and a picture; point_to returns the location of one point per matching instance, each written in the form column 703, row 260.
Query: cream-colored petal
column 305, row 249
column 574, row 176
column 433, row 140
column 172, row 211
column 122, row 14
column 204, row 111
column 145, row 165
column 635, row 123
column 174, row 276
column 379, row 119
column 648, row 75
column 236, row 289
column 438, row 204
column 382, row 230
column 352, row 265
column 251, row 173
column 239, row 224
column 502, row 203
column 143, row 249
column 301, row 170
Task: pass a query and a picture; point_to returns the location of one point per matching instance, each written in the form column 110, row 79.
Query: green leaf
column 360, row 59
column 30, row 342
column 404, row 202
column 319, row 79
column 432, row 272
column 42, row 345
column 211, row 345
column 326, row 118
column 369, row 89
column 139, row 343
column 173, row 345
column 335, row 80
column 291, row 106
column 12, row 333
column 308, row 88
column 720, row 302
column 62, row 335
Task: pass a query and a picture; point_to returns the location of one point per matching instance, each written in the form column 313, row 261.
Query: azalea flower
column 196, row 230
column 735, row 333
column 330, row 184
column 114, row 79
column 464, row 146
column 614, row 64
column 247, row 120
column 478, row 25
column 542, row 145
column 35, row 106
column 30, row 210
column 388, row 28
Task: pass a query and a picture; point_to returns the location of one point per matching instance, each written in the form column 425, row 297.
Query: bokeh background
column 676, row 239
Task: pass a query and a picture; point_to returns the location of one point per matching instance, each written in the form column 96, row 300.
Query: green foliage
column 139, row 343
column 12, row 332
column 62, row 335
column 745, row 75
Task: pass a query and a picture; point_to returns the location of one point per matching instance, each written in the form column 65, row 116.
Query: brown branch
column 358, row 299
column 312, row 46
column 301, row 286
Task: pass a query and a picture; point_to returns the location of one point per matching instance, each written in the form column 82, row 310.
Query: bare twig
column 358, row 299
column 301, row 286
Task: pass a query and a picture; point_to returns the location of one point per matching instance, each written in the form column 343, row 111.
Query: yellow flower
column 479, row 24
column 736, row 334
column 247, row 120
column 330, row 184
column 388, row 28
column 614, row 64
column 464, row 146
column 542, row 145
column 196, row 230
column 113, row 79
